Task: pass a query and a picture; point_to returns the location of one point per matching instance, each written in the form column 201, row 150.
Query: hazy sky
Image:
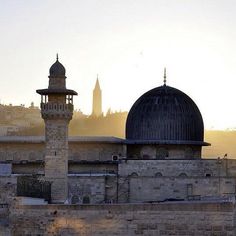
column 128, row 43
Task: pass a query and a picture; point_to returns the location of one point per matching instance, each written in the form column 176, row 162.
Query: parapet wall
column 125, row 219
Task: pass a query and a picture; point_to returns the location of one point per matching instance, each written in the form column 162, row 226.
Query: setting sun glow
column 127, row 43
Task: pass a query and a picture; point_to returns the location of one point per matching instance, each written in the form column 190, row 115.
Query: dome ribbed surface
column 57, row 70
column 165, row 113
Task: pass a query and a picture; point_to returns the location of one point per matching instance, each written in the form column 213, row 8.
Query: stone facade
column 87, row 189
column 140, row 181
column 156, row 177
column 57, row 110
column 151, row 151
column 174, row 168
column 32, row 149
column 193, row 219
column 8, row 189
column 56, row 158
column 160, row 180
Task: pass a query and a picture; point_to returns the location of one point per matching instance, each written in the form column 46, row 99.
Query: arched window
column 162, row 153
column 86, row 200
column 182, row 175
column 158, row 174
column 134, row 174
column 148, row 152
column 208, row 173
column 75, row 199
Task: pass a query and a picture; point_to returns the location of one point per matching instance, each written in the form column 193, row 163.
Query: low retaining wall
column 125, row 219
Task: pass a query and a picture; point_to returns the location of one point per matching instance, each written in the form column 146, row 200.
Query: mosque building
column 153, row 182
column 159, row 160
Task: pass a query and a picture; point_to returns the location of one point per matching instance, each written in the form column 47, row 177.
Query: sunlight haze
column 128, row 44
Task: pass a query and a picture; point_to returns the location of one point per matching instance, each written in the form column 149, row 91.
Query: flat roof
column 99, row 139
column 72, row 139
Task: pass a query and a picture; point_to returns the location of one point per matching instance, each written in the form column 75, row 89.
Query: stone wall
column 167, row 168
column 29, row 151
column 22, row 151
column 4, row 221
column 94, row 189
column 7, row 197
column 7, row 189
column 193, row 219
column 142, row 151
column 95, row 151
column 146, row 189
column 93, row 167
column 87, row 189
column 160, row 180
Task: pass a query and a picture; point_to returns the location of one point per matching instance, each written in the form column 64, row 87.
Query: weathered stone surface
column 112, row 219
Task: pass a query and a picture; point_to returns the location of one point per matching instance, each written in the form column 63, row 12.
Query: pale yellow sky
column 126, row 42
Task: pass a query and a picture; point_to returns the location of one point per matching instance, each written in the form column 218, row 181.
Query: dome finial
column 57, row 57
column 164, row 76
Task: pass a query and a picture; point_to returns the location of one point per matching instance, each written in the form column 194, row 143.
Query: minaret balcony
column 57, row 110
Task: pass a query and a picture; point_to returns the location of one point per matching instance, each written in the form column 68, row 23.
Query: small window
column 86, row 200
column 134, row 174
column 208, row 175
column 189, row 189
column 75, row 199
column 162, row 153
column 182, row 175
column 158, row 174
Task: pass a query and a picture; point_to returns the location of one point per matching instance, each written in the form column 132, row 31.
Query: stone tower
column 57, row 111
column 97, row 100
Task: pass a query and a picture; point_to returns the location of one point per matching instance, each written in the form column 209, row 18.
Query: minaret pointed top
column 164, row 76
column 57, row 57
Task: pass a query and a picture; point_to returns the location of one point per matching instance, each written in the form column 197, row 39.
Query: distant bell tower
column 97, row 100
column 57, row 110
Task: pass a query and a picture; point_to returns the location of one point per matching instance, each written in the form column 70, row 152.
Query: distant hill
column 113, row 124
column 222, row 142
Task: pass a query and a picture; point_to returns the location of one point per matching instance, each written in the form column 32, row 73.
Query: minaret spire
column 97, row 85
column 97, row 99
column 57, row 57
column 164, row 76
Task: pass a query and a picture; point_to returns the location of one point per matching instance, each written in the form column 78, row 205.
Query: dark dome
column 165, row 114
column 57, row 70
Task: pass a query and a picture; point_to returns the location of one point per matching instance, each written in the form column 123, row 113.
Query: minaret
column 57, row 110
column 97, row 100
